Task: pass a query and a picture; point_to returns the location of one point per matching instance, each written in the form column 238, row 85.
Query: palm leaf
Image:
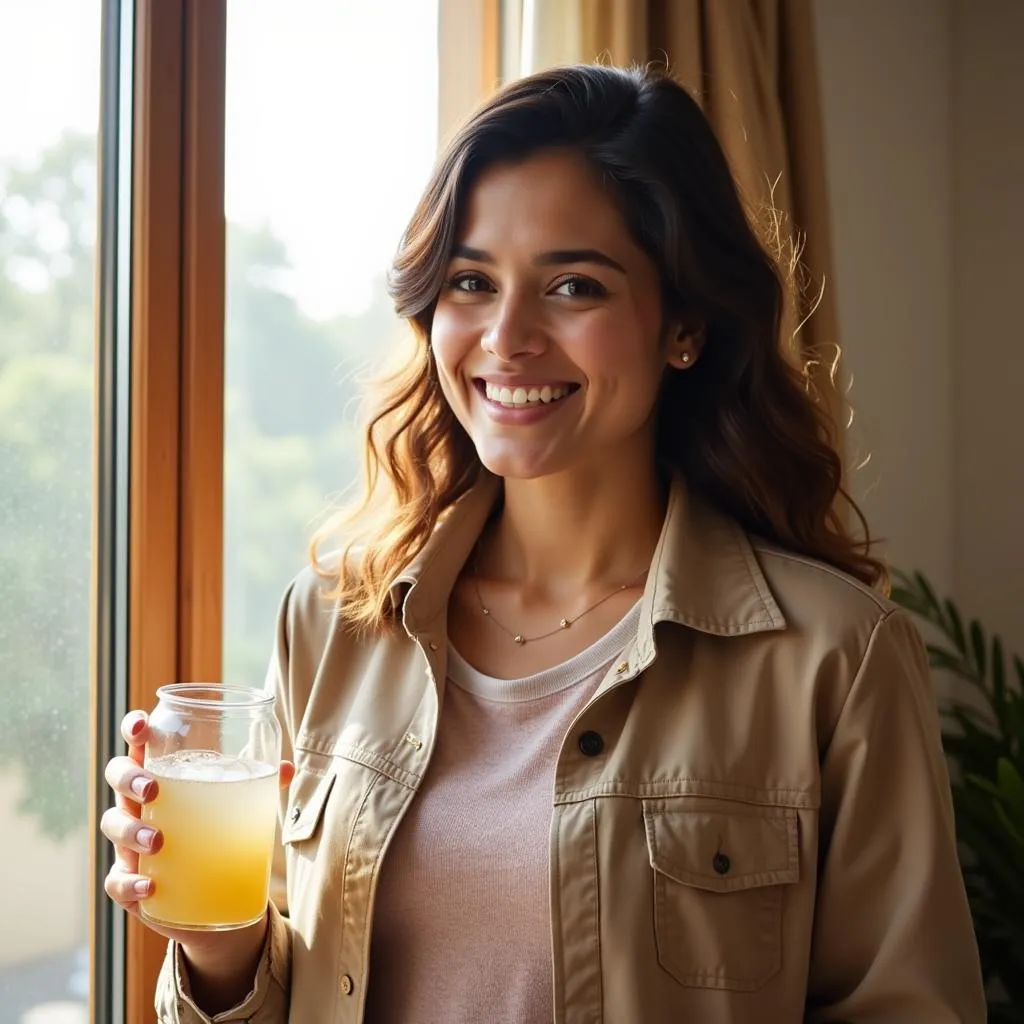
column 956, row 632
column 978, row 647
column 1011, row 787
column 998, row 680
column 930, row 600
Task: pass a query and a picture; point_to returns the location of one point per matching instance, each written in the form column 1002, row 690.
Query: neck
column 596, row 525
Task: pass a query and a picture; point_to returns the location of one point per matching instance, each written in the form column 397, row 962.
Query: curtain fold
column 752, row 66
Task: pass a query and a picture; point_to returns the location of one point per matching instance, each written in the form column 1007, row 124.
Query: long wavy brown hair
column 744, row 426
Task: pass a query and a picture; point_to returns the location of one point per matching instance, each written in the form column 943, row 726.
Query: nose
column 514, row 334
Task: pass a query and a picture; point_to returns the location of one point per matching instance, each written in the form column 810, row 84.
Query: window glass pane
column 331, row 134
column 49, row 78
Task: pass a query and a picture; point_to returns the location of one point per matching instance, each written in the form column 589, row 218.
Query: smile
column 525, row 396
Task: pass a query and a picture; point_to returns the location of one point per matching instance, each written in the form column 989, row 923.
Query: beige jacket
column 765, row 836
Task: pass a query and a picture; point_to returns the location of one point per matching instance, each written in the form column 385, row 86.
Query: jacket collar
column 704, row 573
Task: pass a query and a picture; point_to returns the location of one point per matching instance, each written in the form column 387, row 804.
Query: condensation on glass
column 50, row 81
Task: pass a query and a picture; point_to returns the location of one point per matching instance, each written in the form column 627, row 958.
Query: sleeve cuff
column 266, row 1003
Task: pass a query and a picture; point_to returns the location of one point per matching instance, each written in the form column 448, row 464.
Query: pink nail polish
column 142, row 787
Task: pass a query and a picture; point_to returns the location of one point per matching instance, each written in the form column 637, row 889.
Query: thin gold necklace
column 563, row 624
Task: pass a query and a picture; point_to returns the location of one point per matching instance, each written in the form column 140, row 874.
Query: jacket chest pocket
column 719, row 878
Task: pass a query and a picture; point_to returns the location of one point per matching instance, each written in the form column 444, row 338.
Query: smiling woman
column 599, row 690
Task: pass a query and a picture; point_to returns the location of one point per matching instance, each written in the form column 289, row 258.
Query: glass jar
column 215, row 752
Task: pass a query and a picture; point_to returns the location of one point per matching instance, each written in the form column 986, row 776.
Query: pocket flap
column 723, row 850
column 307, row 797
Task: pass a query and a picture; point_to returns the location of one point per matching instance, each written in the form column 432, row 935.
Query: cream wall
column 988, row 290
column 885, row 73
column 923, row 104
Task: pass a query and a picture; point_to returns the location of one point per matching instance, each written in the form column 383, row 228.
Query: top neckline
column 551, row 680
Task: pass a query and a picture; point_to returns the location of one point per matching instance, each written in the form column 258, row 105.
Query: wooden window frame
column 177, row 375
column 468, row 73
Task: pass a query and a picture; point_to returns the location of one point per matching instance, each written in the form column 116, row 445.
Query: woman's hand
column 121, row 824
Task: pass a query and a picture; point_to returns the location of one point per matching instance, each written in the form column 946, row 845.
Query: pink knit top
column 462, row 928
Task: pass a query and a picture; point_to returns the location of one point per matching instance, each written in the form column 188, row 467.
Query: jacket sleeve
column 893, row 938
column 267, row 1002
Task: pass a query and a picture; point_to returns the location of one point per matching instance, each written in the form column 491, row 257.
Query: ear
column 685, row 343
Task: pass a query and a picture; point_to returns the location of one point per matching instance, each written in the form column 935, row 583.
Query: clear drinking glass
column 215, row 752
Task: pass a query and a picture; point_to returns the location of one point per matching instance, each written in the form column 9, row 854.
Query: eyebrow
column 555, row 258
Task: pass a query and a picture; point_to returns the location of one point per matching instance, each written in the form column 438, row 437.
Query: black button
column 721, row 863
column 296, row 814
column 591, row 744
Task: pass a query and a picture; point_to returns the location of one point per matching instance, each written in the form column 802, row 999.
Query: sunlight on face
column 546, row 333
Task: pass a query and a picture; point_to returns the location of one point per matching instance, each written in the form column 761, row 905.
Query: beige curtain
column 752, row 65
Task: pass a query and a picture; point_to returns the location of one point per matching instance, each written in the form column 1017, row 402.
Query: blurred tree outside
column 291, row 444
column 47, row 239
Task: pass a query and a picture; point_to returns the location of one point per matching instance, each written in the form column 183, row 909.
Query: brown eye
column 469, row 283
column 577, row 287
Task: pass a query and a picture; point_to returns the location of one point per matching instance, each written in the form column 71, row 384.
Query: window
column 112, row 333
column 50, row 75
column 331, row 132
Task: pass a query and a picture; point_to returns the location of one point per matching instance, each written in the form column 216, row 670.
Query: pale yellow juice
column 217, row 815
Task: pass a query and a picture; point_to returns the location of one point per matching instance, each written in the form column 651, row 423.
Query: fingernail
column 142, row 787
column 142, row 887
column 144, row 837
column 137, row 726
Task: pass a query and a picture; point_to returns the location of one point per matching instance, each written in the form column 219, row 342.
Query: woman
column 598, row 716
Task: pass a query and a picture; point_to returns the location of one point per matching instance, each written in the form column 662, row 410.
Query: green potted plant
column 983, row 734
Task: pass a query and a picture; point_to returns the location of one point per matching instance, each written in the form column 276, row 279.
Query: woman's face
column 547, row 330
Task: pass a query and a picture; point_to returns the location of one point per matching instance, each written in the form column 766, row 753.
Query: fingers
column 135, row 732
column 128, row 779
column 287, row 774
column 121, row 825
column 132, row 784
column 126, row 832
column 127, row 888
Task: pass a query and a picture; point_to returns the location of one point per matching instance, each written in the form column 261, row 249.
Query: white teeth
column 520, row 397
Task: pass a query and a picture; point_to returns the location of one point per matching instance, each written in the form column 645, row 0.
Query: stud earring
column 686, row 357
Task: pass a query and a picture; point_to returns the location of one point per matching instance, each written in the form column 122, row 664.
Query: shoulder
column 321, row 661
column 810, row 591
column 308, row 598
column 837, row 614
column 856, row 639
column 310, row 616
